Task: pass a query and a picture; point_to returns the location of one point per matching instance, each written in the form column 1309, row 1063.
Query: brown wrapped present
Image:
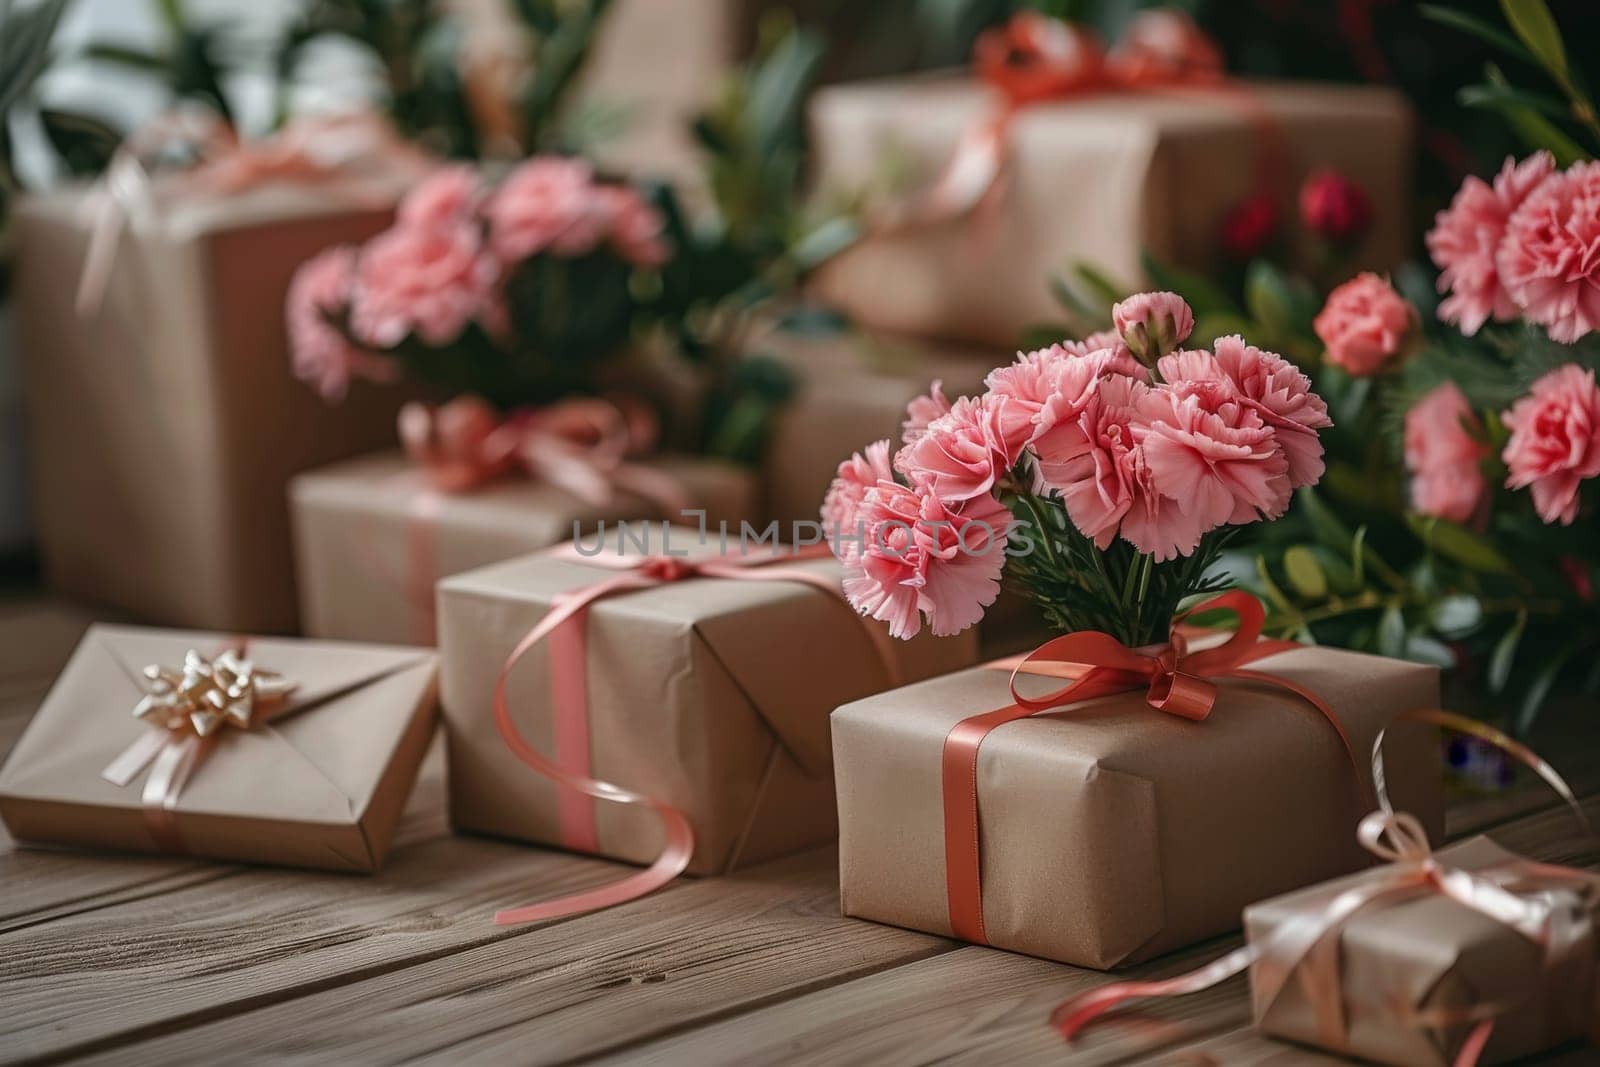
column 165, row 426
column 852, row 389
column 1111, row 832
column 1484, row 938
column 1095, row 179
column 372, row 536
column 707, row 694
column 296, row 753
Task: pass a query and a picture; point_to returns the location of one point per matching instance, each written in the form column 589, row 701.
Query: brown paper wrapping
column 1430, row 954
column 1093, row 180
column 320, row 785
column 711, row 695
column 164, row 429
column 357, row 523
column 1112, row 832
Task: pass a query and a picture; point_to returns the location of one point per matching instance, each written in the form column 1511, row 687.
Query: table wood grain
column 134, row 960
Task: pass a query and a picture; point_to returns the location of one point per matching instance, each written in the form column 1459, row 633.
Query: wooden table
column 132, row 960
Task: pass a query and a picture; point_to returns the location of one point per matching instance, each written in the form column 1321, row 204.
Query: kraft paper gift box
column 1413, row 972
column 851, row 388
column 708, row 694
column 320, row 783
column 1110, row 832
column 1095, row 179
column 164, row 428
column 371, row 537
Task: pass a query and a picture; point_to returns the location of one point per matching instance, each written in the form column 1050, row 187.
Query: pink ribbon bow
column 1542, row 903
column 565, row 627
column 356, row 156
column 1175, row 680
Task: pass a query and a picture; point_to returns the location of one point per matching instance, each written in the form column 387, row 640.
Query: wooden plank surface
column 149, row 960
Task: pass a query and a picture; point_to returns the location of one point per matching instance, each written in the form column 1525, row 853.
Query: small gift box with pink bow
column 1170, row 774
column 163, row 421
column 260, row 750
column 1468, row 955
column 373, row 535
column 659, row 697
column 1058, row 150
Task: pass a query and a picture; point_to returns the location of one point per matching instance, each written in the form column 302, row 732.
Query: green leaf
column 1505, row 654
column 1108, row 291
column 1269, row 588
column 1456, row 615
column 1305, row 573
column 1420, row 648
column 1448, row 16
column 1536, row 28
column 1204, row 295
column 1267, row 296
column 1392, row 633
column 124, row 56
column 1538, row 690
column 1534, row 129
column 1358, row 555
column 1459, row 544
column 1502, row 96
column 1328, row 527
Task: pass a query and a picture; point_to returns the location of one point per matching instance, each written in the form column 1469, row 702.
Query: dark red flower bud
column 1335, row 208
column 1250, row 227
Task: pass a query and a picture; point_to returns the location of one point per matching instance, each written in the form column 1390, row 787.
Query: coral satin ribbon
column 975, row 166
column 1534, row 899
column 564, row 626
column 581, row 445
column 347, row 152
column 1175, row 681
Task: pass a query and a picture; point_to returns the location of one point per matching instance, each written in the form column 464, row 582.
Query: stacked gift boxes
column 695, row 701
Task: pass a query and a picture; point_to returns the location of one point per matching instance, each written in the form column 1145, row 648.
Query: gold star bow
column 206, row 694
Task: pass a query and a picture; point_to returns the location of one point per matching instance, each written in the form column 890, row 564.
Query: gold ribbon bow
column 206, row 695
column 185, row 708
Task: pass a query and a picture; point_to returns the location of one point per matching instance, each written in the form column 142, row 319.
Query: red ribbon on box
column 564, row 626
column 1035, row 58
column 1175, row 680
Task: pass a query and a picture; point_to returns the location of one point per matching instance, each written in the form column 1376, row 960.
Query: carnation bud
column 1335, row 208
column 1153, row 324
column 1250, row 227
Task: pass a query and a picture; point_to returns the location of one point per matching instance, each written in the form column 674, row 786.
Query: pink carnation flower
column 427, row 282
column 1549, row 259
column 1153, row 324
column 548, row 203
column 922, row 411
column 1442, row 455
column 638, row 232
column 841, row 507
column 965, row 452
column 1555, row 441
column 1276, row 390
column 1365, row 324
column 323, row 356
column 447, row 197
column 1221, row 466
column 923, row 557
column 1466, row 238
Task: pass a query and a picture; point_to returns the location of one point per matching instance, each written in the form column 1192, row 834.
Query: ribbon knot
column 1394, row 837
column 667, row 568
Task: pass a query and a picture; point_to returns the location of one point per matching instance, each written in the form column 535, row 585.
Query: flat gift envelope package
column 320, row 783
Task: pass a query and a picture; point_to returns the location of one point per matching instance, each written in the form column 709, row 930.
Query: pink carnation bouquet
column 1101, row 476
column 514, row 292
